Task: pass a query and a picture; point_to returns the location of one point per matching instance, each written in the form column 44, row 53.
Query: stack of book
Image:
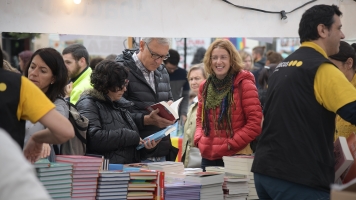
column 211, row 184
column 112, row 185
column 85, row 174
column 174, row 170
column 177, row 190
column 142, row 184
column 241, row 165
column 55, row 177
column 236, row 186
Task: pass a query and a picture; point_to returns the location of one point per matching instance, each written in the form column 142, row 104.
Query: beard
column 76, row 71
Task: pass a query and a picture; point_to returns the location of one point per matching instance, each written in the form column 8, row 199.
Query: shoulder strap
column 75, row 125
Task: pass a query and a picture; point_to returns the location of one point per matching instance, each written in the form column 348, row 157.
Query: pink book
column 78, row 159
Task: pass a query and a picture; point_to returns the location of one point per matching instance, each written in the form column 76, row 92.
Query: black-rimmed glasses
column 155, row 56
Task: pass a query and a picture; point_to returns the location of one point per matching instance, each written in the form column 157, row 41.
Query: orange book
column 351, row 174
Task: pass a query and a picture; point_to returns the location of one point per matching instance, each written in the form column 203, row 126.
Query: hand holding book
column 156, row 137
column 149, row 144
column 154, row 119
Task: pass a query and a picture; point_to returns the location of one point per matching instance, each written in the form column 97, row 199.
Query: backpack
column 76, row 145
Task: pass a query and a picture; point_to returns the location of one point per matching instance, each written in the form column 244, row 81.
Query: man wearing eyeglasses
column 149, row 84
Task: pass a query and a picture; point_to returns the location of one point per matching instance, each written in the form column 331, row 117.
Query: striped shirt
column 149, row 76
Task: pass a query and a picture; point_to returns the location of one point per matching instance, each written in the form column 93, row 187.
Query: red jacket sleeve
column 252, row 110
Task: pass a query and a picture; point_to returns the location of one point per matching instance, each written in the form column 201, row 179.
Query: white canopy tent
column 165, row 18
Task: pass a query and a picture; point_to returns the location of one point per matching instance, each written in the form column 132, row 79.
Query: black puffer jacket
column 111, row 131
column 142, row 95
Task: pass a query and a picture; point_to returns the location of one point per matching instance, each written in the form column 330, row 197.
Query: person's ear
column 349, row 63
column 53, row 80
column 322, row 30
column 142, row 45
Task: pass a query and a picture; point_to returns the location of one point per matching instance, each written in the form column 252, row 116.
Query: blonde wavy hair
column 235, row 58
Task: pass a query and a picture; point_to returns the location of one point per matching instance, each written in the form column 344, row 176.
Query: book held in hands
column 343, row 157
column 158, row 135
column 166, row 111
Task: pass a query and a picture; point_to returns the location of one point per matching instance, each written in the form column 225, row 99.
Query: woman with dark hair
column 345, row 60
column 229, row 113
column 47, row 71
column 24, row 58
column 111, row 132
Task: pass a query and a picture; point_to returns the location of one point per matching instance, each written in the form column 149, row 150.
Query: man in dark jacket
column 149, row 84
column 259, row 62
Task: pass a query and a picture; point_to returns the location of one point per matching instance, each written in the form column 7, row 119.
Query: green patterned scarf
column 216, row 93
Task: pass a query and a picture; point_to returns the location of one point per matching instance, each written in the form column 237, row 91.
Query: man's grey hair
column 162, row 41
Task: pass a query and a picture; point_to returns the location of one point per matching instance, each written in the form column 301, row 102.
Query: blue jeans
column 207, row 163
column 161, row 159
column 277, row 189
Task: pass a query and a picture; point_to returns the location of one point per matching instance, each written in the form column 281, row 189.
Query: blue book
column 158, row 135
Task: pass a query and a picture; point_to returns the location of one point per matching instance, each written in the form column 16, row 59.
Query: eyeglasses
column 156, row 56
column 126, row 83
column 223, row 58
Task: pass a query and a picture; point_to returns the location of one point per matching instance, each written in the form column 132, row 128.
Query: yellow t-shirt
column 332, row 89
column 33, row 103
column 344, row 128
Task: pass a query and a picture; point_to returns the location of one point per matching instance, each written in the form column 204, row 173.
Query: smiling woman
column 229, row 112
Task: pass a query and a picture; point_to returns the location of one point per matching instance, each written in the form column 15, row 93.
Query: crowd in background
column 227, row 96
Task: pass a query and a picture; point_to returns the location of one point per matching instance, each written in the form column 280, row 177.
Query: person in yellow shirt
column 21, row 100
column 345, row 60
column 295, row 154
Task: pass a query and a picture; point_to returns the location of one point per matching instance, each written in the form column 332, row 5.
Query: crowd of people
column 292, row 108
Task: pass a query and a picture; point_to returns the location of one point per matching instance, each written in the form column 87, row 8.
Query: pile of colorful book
column 85, row 174
column 55, row 177
column 142, row 184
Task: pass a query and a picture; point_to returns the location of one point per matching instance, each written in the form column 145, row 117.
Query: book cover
column 42, row 163
column 343, row 157
column 158, row 135
column 78, row 159
column 56, row 167
column 159, row 193
column 166, row 111
column 351, row 174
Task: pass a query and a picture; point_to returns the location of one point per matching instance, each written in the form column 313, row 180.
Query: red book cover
column 351, row 174
column 166, row 111
column 159, row 193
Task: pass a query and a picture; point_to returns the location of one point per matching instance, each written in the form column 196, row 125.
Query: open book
column 158, row 135
column 166, row 111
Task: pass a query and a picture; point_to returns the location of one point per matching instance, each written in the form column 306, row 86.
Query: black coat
column 111, row 132
column 142, row 95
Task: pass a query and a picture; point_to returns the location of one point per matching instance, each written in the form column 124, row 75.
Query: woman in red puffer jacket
column 229, row 113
